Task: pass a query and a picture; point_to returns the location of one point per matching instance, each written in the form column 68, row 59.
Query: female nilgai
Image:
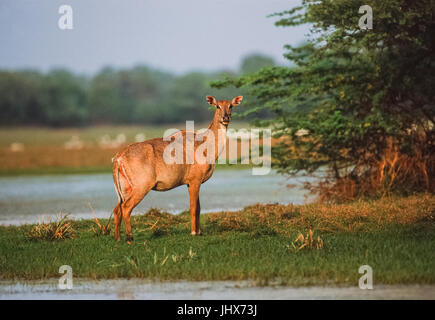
column 142, row 167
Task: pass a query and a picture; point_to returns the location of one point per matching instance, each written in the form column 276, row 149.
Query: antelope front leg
column 194, row 209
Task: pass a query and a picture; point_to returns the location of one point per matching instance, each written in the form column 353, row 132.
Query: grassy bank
column 396, row 237
column 39, row 150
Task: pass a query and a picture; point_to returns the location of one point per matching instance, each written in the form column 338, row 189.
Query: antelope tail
column 120, row 173
column 116, row 180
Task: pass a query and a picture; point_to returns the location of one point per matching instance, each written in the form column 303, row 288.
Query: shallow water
column 25, row 199
column 185, row 290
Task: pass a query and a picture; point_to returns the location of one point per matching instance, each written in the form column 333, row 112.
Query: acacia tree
column 360, row 103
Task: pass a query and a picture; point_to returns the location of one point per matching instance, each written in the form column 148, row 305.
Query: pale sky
column 177, row 36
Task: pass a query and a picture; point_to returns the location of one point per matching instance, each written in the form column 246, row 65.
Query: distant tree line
column 138, row 95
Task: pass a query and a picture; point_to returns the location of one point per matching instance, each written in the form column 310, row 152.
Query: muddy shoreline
column 141, row 289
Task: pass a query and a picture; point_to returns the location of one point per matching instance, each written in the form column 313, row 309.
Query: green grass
column 396, row 237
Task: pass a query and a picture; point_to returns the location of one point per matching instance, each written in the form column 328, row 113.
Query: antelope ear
column 236, row 101
column 211, row 100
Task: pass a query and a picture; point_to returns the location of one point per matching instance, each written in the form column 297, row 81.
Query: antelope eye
column 218, row 106
column 231, row 106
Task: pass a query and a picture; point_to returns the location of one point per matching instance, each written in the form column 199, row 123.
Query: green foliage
column 126, row 96
column 63, row 99
column 138, row 95
column 362, row 97
column 255, row 62
column 57, row 98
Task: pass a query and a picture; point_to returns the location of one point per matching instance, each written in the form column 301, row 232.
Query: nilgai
column 141, row 167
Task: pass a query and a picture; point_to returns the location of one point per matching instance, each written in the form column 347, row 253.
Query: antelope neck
column 218, row 129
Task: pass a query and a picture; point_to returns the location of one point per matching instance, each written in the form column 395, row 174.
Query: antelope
column 140, row 168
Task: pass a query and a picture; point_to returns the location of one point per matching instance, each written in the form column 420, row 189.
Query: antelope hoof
column 129, row 239
column 194, row 233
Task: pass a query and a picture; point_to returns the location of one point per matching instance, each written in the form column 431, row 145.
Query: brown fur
column 139, row 168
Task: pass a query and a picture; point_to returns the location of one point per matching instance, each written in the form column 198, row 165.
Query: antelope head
column 224, row 108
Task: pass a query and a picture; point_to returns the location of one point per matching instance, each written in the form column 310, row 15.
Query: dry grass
column 61, row 229
column 392, row 172
column 158, row 222
column 309, row 241
column 348, row 217
column 101, row 229
column 41, row 157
